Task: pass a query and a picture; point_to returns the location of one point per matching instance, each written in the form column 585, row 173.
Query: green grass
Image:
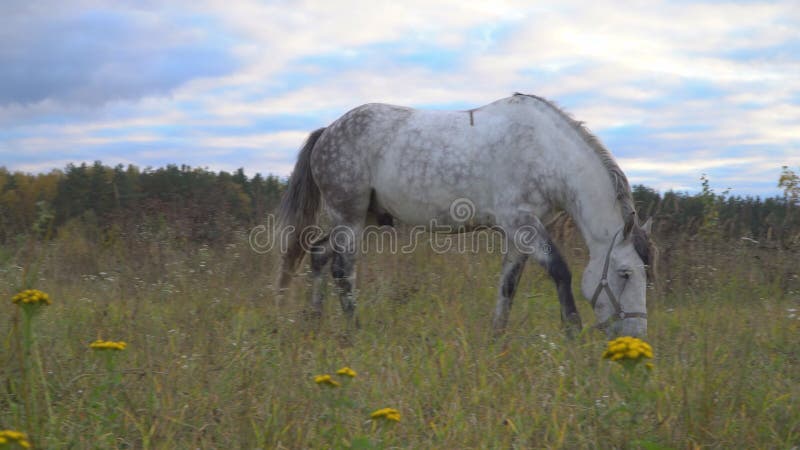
column 214, row 361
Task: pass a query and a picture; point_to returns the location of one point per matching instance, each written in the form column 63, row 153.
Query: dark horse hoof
column 573, row 326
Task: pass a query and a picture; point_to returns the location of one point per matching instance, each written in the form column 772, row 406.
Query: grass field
column 215, row 361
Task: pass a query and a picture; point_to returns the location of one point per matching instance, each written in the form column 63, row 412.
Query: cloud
column 672, row 89
column 96, row 55
column 683, row 166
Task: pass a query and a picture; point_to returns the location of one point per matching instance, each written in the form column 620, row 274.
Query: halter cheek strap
column 619, row 313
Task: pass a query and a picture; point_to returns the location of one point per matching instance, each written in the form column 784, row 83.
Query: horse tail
column 298, row 210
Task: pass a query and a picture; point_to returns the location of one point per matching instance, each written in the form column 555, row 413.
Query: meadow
column 215, row 360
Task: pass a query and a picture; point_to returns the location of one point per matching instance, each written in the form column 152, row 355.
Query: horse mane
column 622, row 188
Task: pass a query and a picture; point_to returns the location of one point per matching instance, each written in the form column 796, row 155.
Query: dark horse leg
column 550, row 258
column 532, row 239
column 344, row 241
column 339, row 247
column 320, row 255
column 513, row 265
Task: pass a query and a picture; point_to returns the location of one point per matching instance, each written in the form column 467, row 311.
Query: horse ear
column 648, row 226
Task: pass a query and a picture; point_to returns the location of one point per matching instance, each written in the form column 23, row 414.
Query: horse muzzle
column 631, row 326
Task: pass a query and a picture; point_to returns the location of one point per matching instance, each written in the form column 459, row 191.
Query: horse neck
column 595, row 210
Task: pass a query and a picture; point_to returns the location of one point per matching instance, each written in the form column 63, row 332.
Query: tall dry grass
column 214, row 360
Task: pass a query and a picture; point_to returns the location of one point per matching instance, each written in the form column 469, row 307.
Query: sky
column 674, row 89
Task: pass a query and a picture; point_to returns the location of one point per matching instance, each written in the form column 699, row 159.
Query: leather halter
column 619, row 313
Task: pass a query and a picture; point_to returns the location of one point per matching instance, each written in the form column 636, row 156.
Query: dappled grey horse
column 510, row 163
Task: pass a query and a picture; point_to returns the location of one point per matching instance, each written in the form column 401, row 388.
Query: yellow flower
column 386, row 413
column 8, row 436
column 31, row 297
column 628, row 348
column 326, row 380
column 346, row 371
column 108, row 345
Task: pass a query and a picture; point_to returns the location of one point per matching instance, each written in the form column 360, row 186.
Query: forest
column 204, row 205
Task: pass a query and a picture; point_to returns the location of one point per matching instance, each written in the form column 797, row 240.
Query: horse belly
column 438, row 184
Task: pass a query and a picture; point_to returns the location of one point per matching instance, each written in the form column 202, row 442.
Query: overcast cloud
column 674, row 89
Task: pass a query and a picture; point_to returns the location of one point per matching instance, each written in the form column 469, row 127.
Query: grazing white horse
column 507, row 165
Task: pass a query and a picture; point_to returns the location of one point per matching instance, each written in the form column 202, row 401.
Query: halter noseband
column 619, row 314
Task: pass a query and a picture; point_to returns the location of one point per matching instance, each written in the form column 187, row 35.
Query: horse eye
column 625, row 273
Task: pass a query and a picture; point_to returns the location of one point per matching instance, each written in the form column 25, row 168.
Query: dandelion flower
column 326, row 380
column 386, row 413
column 31, row 297
column 628, row 348
column 346, row 371
column 108, row 345
column 9, row 436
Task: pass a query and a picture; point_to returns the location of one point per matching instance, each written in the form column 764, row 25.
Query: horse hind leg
column 338, row 248
column 342, row 269
column 321, row 252
column 344, row 242
column 347, row 194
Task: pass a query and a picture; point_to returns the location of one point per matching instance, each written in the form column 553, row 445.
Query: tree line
column 723, row 216
column 206, row 204
column 197, row 198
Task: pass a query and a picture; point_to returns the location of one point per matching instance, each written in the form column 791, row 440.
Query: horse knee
column 556, row 267
column 560, row 272
column 510, row 281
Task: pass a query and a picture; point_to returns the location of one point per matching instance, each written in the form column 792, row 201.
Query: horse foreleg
column 513, row 265
column 550, row 258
